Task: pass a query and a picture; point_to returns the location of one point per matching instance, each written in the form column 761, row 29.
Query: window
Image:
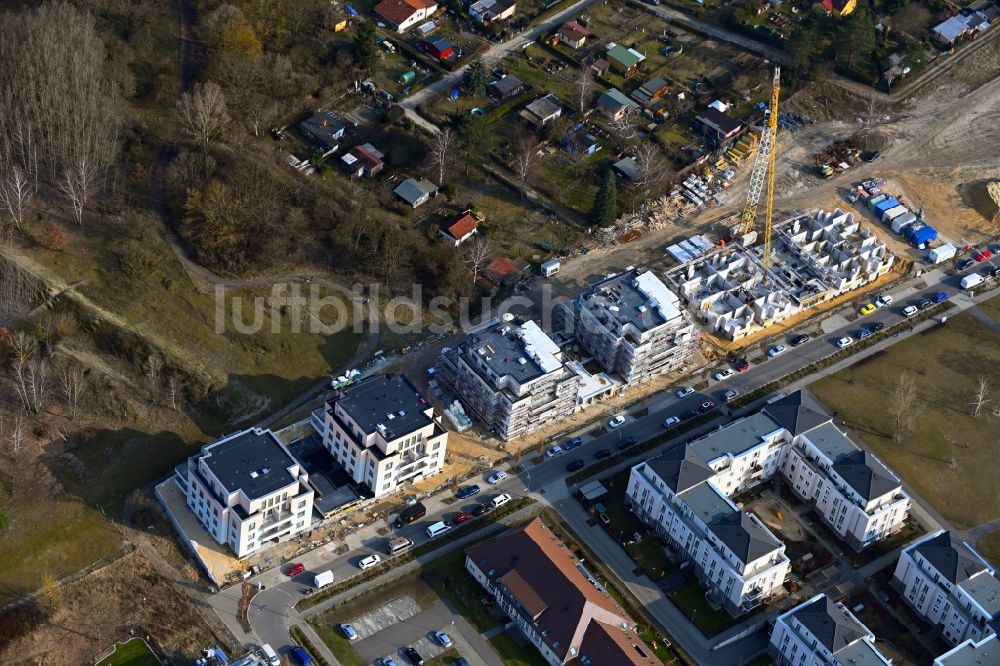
column 437, row 445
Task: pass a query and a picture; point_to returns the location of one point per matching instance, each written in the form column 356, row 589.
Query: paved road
column 271, row 610
column 494, row 53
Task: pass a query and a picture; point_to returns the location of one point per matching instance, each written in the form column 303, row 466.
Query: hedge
column 299, row 637
column 491, row 519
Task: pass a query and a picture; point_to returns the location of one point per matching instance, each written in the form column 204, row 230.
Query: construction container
column 407, row 77
column 894, row 212
column 943, row 253
column 900, row 222
column 884, row 205
column 920, row 234
column 876, row 200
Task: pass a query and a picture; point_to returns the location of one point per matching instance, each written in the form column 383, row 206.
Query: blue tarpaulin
column 350, row 10
column 454, row 93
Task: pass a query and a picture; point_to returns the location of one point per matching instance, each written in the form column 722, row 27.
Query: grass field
column 515, row 654
column 989, row 546
column 691, row 600
column 950, row 456
column 134, row 652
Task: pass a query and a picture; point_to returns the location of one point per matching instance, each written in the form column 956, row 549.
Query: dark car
column 461, row 661
column 876, row 326
column 924, row 303
column 627, row 442
column 798, row 339
column 575, row 465
column 302, row 656
column 965, row 263
column 995, row 273
column 572, row 443
column 465, row 492
column 413, row 656
column 706, row 406
column 603, row 453
column 871, row 156
column 479, row 510
column 939, row 296
column 689, row 414
column 863, row 333
column 741, row 365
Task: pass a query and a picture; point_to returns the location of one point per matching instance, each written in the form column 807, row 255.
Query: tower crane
column 763, row 169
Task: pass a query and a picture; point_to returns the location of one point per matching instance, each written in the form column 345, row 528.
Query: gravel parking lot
column 395, row 612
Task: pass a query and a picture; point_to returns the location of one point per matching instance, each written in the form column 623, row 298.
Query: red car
column 742, row 365
column 461, row 517
column 982, row 255
column 294, row 569
column 706, row 406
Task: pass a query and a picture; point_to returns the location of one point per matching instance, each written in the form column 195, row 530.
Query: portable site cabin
column 943, row 253
column 407, row 77
column 893, row 213
column 901, row 222
column 920, row 235
column 883, row 206
column 549, row 268
column 876, row 200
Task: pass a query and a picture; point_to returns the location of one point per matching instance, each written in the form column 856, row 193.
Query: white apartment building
column 248, row 491
column 735, row 555
column 383, row 433
column 633, row 326
column 858, row 496
column 513, row 379
column 972, row 653
column 684, row 495
column 820, row 632
column 951, row 586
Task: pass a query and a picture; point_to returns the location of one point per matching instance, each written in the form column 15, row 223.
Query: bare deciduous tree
column 981, row 396
column 478, row 256
column 525, row 165
column 903, row 405
column 15, row 195
column 70, row 387
column 652, row 167
column 585, row 87
column 172, row 393
column 78, row 183
column 15, row 433
column 154, row 364
column 441, row 147
column 871, row 118
column 202, row 113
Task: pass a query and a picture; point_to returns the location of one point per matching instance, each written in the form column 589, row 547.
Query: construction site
column 814, row 257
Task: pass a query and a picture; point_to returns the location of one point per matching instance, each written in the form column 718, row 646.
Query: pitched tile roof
column 606, row 644
column 797, row 412
column 574, row 29
column 460, row 226
column 865, row 474
column 398, row 11
column 680, row 468
column 743, row 536
column 564, row 602
column 952, row 560
column 831, row 624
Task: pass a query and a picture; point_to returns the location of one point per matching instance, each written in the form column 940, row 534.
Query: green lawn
column 950, row 456
column 513, row 654
column 989, row 546
column 448, row 578
column 691, row 600
column 134, row 652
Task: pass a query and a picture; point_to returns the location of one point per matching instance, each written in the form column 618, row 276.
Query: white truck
column 971, row 280
column 322, row 579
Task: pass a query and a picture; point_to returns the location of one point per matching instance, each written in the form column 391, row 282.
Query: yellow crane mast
column 763, row 169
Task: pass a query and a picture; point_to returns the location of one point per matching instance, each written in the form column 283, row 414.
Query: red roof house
column 459, row 228
column 401, row 15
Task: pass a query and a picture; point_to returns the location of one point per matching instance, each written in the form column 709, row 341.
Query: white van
column 270, row 654
column 398, row 545
column 500, row 500
column 437, row 529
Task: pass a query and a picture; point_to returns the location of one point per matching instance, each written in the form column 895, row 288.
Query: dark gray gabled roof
column 953, row 561
column 832, row 626
column 680, row 468
column 797, row 412
column 743, row 536
column 865, row 474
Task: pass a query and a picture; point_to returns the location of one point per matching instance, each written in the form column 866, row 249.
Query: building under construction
column 814, row 257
